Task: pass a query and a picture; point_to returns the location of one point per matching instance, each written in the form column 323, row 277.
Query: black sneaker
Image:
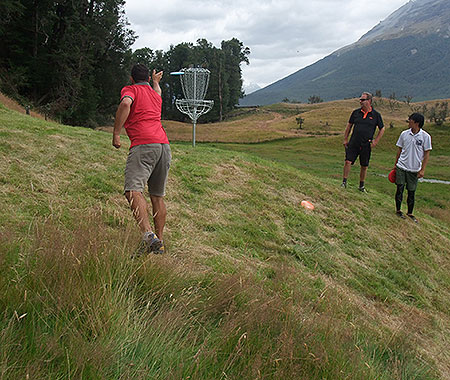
column 400, row 215
column 344, row 185
column 362, row 189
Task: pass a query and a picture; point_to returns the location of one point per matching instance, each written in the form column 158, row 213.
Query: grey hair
column 368, row 94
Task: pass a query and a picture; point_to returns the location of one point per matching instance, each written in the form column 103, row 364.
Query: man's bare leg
column 362, row 178
column 347, row 167
column 363, row 173
column 150, row 241
column 159, row 214
column 139, row 207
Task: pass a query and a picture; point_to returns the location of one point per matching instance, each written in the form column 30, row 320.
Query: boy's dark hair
column 417, row 118
column 140, row 73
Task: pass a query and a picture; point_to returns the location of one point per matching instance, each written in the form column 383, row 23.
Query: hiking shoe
column 362, row 189
column 159, row 250
column 413, row 218
column 149, row 244
column 154, row 244
column 400, row 215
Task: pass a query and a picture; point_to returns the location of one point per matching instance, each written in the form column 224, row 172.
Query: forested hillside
column 70, row 59
column 66, row 58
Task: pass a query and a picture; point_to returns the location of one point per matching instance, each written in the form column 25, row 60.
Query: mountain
column 407, row 54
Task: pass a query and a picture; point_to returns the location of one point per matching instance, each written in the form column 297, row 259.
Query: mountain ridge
column 405, row 54
column 425, row 17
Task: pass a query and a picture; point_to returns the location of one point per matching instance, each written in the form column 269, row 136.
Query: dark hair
column 140, row 73
column 417, row 118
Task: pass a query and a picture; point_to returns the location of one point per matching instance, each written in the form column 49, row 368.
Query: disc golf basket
column 194, row 82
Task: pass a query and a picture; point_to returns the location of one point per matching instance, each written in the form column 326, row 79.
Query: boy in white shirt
column 414, row 146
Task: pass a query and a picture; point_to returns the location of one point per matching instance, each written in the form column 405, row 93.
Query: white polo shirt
column 413, row 148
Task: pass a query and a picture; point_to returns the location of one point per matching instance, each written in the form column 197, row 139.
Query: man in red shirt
column 149, row 157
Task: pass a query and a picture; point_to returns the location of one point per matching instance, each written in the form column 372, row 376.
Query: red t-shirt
column 143, row 124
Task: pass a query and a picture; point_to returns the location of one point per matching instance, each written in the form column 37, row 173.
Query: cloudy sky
column 283, row 35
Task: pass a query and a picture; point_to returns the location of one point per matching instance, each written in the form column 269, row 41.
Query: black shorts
column 363, row 151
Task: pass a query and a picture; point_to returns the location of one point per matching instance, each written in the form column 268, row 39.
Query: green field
column 253, row 285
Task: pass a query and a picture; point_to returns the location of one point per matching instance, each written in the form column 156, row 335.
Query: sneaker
column 362, row 189
column 400, row 215
column 154, row 244
column 413, row 218
column 344, row 185
column 160, row 250
column 149, row 244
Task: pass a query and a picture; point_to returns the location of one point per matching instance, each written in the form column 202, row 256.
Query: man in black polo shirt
column 364, row 122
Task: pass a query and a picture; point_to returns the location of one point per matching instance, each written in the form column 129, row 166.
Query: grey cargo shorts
column 148, row 163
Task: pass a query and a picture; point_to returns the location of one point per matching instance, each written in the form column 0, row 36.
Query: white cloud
column 283, row 36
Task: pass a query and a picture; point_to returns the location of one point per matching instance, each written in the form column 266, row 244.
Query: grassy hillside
column 253, row 286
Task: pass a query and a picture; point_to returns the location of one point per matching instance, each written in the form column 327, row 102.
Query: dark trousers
column 399, row 198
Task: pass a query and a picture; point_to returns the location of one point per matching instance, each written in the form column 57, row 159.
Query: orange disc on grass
column 307, row 205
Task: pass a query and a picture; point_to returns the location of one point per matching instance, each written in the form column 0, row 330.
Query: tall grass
column 76, row 307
